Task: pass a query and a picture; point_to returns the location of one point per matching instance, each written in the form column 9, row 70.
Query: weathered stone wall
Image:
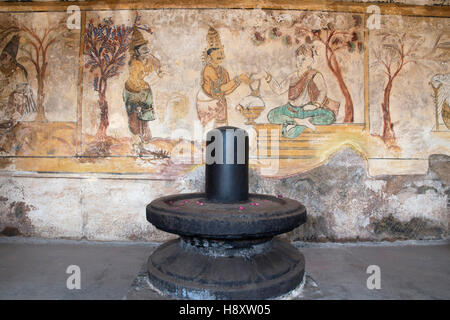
column 343, row 203
column 76, row 161
column 346, row 204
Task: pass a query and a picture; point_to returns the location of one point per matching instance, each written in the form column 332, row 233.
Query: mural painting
column 34, row 122
column 335, row 33
column 307, row 92
column 408, row 65
column 153, row 82
column 441, row 86
column 216, row 83
column 105, row 48
column 318, row 111
column 137, row 94
column 16, row 95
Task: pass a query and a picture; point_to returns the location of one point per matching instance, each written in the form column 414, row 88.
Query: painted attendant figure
column 216, row 84
column 137, row 93
column 308, row 104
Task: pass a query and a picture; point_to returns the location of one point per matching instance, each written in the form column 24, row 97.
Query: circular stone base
column 195, row 268
column 193, row 215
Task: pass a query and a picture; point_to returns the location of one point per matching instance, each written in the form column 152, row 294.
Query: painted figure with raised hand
column 137, row 94
column 308, row 103
column 216, row 83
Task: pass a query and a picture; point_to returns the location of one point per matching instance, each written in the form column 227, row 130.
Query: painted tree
column 396, row 51
column 334, row 41
column 105, row 51
column 439, row 53
column 36, row 45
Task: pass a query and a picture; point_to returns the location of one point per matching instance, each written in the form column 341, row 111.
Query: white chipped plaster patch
column 350, row 223
column 193, row 181
column 11, row 190
column 55, row 205
column 58, row 211
column 375, row 185
column 429, row 205
column 120, row 215
column 409, row 204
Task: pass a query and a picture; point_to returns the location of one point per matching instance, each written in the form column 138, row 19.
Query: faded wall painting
column 188, row 71
column 135, row 91
column 38, row 92
column 408, row 85
column 441, row 87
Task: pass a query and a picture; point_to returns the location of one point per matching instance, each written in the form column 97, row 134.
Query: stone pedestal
column 226, row 251
column 226, row 248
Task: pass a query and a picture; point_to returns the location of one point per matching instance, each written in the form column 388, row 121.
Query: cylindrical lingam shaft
column 226, row 175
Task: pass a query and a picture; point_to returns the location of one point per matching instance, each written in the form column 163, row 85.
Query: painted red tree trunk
column 41, row 46
column 105, row 48
column 334, row 67
column 388, row 127
column 40, row 74
column 40, row 115
column 103, row 104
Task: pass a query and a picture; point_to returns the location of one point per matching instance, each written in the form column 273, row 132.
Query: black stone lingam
column 226, row 248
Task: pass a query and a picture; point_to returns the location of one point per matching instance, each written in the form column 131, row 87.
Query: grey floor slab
column 407, row 272
column 36, row 269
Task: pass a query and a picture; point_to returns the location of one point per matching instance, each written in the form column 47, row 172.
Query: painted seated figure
column 308, row 104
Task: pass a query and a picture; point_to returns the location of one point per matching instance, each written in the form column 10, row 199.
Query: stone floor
column 36, row 269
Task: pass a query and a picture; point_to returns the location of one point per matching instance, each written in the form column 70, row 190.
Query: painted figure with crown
column 137, row 94
column 216, row 83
